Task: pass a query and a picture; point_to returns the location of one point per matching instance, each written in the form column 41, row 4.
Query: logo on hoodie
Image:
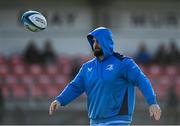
column 89, row 69
column 109, row 67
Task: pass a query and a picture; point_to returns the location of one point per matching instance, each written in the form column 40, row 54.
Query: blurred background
column 35, row 67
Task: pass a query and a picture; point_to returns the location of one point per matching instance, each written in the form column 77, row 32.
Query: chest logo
column 109, row 67
column 89, row 69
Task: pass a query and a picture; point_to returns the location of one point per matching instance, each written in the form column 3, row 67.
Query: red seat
column 5, row 91
column 35, row 69
column 160, row 91
column 171, row 70
column 16, row 59
column 27, row 79
column 19, row 91
column 19, row 70
column 67, row 69
column 61, row 81
column 37, row 91
column 1, row 80
column 10, row 80
column 52, row 70
column 65, row 65
column 155, row 71
column 44, row 80
column 165, row 82
column 177, row 81
column 2, row 60
column 4, row 70
column 161, row 85
column 52, row 91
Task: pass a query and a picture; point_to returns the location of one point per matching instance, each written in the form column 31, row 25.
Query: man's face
column 97, row 48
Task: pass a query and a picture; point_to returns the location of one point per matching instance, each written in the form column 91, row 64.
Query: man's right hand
column 54, row 106
column 155, row 111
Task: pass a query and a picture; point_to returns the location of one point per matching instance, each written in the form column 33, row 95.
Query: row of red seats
column 21, row 81
column 163, row 84
column 36, row 69
column 24, row 92
column 15, row 65
column 156, row 70
column 21, row 87
column 46, row 87
column 29, row 79
column 62, row 59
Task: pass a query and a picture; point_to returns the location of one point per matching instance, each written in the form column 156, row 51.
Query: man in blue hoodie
column 109, row 81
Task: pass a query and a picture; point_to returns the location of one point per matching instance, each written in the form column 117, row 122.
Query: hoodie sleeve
column 74, row 89
column 138, row 78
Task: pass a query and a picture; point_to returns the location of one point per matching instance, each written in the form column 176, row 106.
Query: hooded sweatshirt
column 109, row 83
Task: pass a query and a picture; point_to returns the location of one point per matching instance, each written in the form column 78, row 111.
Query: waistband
column 121, row 118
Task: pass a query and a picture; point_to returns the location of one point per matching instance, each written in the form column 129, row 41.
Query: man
column 109, row 82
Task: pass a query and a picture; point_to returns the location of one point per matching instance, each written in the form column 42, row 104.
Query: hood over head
column 104, row 38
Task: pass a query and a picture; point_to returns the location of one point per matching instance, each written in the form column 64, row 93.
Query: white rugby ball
column 34, row 21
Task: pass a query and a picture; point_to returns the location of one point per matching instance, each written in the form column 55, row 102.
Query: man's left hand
column 155, row 111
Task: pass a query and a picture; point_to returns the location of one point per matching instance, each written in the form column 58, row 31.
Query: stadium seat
column 5, row 91
column 19, row 70
column 165, row 81
column 10, row 80
column 65, row 65
column 67, row 69
column 51, row 70
column 160, row 91
column 35, row 69
column 155, row 70
column 163, row 85
column 178, row 86
column 2, row 59
column 20, row 92
column 16, row 59
column 171, row 70
column 37, row 92
column 27, row 79
column 4, row 70
column 21, row 80
column 61, row 81
column 1, row 80
column 44, row 79
column 52, row 91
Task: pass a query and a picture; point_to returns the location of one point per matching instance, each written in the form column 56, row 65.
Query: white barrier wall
column 70, row 37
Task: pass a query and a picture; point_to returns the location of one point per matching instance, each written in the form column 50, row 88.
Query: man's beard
column 98, row 53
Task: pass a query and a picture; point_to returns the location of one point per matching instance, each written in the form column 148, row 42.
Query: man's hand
column 155, row 111
column 54, row 106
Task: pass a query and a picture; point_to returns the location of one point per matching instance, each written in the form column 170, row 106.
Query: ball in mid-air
column 34, row 21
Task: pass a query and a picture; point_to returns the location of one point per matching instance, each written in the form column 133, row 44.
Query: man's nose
column 96, row 46
column 95, row 43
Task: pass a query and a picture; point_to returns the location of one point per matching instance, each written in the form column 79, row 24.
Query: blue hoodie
column 109, row 83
